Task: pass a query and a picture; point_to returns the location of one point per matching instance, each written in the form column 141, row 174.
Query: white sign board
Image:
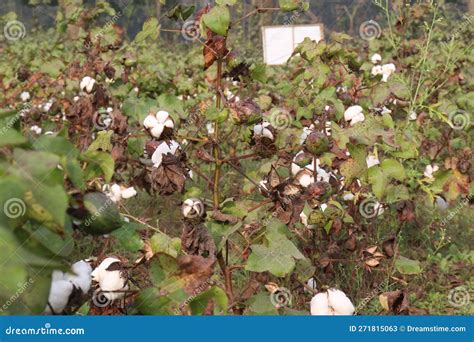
column 280, row 41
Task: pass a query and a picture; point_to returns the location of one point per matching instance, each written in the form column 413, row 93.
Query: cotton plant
column 372, row 159
column 25, row 96
column 36, row 129
column 64, row 284
column 386, row 70
column 305, row 175
column 118, row 192
column 332, row 302
column 156, row 123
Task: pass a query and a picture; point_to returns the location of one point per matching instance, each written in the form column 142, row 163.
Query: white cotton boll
column 163, row 149
column 441, row 203
column 115, row 193
column 429, row 170
column 99, row 272
column 76, row 98
column 262, row 130
column 305, row 178
column 333, row 303
column 157, row 130
column 376, row 70
column 376, row 58
column 192, row 207
column 323, row 207
column 36, row 129
column 352, row 112
column 128, row 192
column 358, row 118
column 81, row 277
column 162, row 116
column 58, row 298
column 320, row 305
column 113, row 285
column 372, row 160
column 306, row 131
column 87, row 84
column 25, row 96
column 304, row 219
column 387, row 70
column 412, row 116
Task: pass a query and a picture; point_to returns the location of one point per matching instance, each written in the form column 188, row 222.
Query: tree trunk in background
column 471, row 7
column 158, row 8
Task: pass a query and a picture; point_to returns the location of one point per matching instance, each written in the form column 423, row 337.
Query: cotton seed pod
column 193, row 207
column 159, row 122
column 263, row 129
column 88, row 85
column 317, row 143
column 112, row 280
column 331, row 303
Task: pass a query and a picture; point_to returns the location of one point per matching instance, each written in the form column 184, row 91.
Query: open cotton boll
column 376, row 70
column 87, row 84
column 150, row 121
column 58, row 298
column 128, row 192
column 333, row 303
column 112, row 281
column 81, row 277
column 162, row 149
column 25, row 96
column 376, row 58
column 36, row 129
column 262, row 130
column 429, row 170
column 354, row 114
column 387, row 70
column 306, row 131
column 192, row 207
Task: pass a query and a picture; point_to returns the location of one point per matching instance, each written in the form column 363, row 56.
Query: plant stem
column 216, row 150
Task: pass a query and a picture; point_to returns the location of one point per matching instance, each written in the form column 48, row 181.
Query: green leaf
column 218, row 20
column 129, row 237
column 151, row 29
column 161, row 243
column 393, row 169
column 289, row 5
column 260, row 304
column 378, row 181
column 407, row 266
column 198, row 305
column 11, row 137
column 102, row 142
column 98, row 161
